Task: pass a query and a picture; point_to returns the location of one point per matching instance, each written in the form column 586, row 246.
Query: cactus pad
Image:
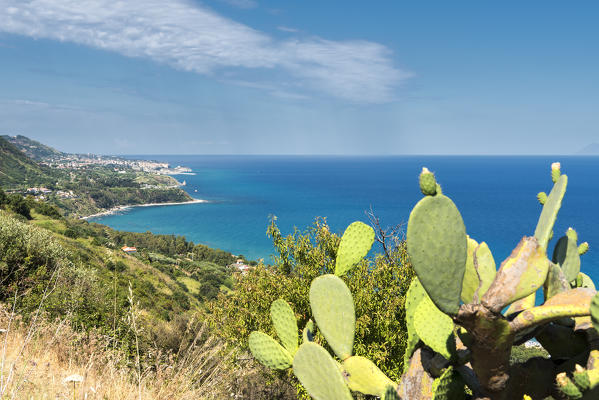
column 355, row 244
column 428, row 184
column 268, row 351
column 319, row 373
column 521, row 274
column 550, row 210
column 414, row 296
column 449, row 386
column 333, row 308
column 567, row 387
column 390, row 394
column 583, row 248
column 581, row 378
column 555, row 283
column 567, row 257
column 285, row 324
column 437, row 247
column 483, row 268
column 364, row 376
column 435, row 328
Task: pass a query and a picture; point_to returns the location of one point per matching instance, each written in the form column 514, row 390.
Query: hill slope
column 32, row 148
column 18, row 170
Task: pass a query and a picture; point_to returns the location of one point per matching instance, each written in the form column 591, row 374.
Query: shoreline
column 117, row 209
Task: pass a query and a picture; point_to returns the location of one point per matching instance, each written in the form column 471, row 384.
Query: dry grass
column 37, row 357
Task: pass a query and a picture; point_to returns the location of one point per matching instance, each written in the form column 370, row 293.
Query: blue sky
column 301, row 77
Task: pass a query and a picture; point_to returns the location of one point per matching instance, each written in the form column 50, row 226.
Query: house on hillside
column 241, row 266
column 129, row 250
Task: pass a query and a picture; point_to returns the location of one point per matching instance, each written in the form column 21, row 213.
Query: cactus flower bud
column 542, row 197
column 583, row 248
column 555, row 171
column 428, row 184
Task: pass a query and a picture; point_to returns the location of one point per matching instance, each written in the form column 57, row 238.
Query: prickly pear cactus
column 434, row 328
column 268, row 351
column 437, row 247
column 319, row 373
column 333, row 308
column 355, row 244
column 285, row 324
column 462, row 316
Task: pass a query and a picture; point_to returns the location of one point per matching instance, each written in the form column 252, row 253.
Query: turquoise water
column 496, row 196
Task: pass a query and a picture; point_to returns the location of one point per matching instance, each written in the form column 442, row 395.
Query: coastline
column 117, row 209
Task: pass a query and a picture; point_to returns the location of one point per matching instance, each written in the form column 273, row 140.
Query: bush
column 378, row 286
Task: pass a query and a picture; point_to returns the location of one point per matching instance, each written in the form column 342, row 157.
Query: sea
column 496, row 196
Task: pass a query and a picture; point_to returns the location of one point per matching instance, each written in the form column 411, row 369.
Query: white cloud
column 194, row 38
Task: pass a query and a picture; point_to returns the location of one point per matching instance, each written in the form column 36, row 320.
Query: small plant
column 463, row 316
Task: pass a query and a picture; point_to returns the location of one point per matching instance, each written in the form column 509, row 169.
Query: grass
column 192, row 285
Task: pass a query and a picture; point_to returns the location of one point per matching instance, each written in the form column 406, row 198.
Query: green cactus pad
column 268, row 351
column 435, row 328
column 285, row 324
column 555, row 283
column 581, row 378
column 438, row 249
column 390, row 394
column 567, row 387
column 333, row 308
column 595, row 311
column 364, row 376
column 355, row 244
column 308, row 333
column 428, row 183
column 449, row 386
column 485, row 268
column 521, row 274
column 523, row 304
column 583, row 248
column 414, row 296
column 550, row 210
column 565, row 254
column 319, row 373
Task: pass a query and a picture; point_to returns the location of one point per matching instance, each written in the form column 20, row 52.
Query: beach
column 118, row 209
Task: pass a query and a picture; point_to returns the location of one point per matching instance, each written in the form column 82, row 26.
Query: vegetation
column 464, row 318
column 16, row 169
column 379, row 287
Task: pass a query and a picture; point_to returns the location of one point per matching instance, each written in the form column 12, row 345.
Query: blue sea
column 496, row 196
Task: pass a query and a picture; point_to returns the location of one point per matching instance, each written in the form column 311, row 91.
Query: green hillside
column 94, row 281
column 17, row 170
column 32, row 148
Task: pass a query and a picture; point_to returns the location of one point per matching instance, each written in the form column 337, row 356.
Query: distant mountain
column 33, row 149
column 589, row 150
column 18, row 170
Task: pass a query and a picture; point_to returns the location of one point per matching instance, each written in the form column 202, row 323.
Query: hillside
column 83, row 185
column 32, row 148
column 18, row 170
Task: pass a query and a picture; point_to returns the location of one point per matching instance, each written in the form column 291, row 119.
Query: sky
column 301, row 77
